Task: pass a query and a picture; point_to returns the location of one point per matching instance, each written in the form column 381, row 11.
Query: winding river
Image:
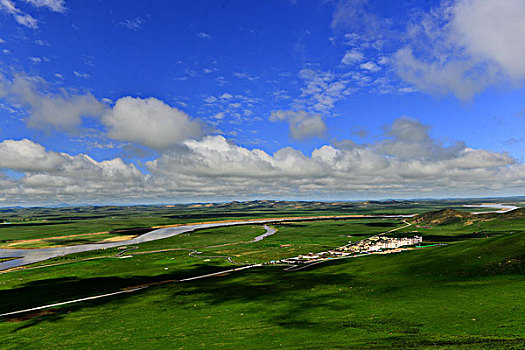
column 500, row 208
column 30, row 256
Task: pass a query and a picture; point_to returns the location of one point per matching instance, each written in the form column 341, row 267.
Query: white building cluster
column 373, row 244
column 379, row 243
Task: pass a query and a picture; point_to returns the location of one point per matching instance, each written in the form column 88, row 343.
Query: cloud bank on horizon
column 299, row 100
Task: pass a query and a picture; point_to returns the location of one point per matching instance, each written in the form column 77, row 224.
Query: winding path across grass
column 127, row 290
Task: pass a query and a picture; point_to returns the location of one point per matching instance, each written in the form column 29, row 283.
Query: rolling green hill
column 442, row 216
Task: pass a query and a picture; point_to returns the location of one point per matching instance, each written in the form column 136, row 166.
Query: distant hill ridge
column 513, row 214
column 442, row 216
column 448, row 215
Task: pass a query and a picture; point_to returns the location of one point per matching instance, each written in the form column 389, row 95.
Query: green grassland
column 482, row 226
column 467, row 294
column 5, row 259
column 304, row 237
column 38, row 223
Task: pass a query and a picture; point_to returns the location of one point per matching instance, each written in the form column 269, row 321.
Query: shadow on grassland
column 55, row 290
column 71, row 241
column 265, row 285
column 5, row 226
column 313, row 299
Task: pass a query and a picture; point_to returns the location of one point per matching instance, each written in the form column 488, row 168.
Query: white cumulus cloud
column 53, row 5
column 407, row 161
column 53, row 177
column 370, row 66
column 302, row 124
column 22, row 18
column 149, row 122
column 63, row 110
column 321, row 91
column 352, row 56
column 26, row 19
column 464, row 46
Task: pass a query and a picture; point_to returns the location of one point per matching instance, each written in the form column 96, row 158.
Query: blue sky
column 145, row 102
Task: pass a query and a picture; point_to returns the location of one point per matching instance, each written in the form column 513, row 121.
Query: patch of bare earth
column 29, row 315
column 118, row 239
